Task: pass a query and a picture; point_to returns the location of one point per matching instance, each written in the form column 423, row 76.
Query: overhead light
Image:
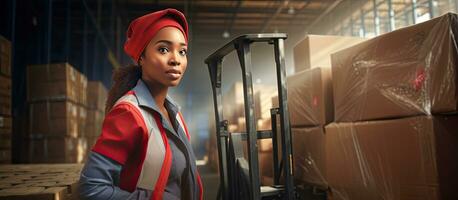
column 291, row 10
column 226, row 34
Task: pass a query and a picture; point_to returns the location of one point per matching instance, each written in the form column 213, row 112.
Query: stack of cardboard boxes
column 5, row 101
column 96, row 97
column 395, row 134
column 310, row 105
column 56, row 95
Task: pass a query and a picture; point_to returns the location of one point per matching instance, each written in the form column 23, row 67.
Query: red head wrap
column 144, row 28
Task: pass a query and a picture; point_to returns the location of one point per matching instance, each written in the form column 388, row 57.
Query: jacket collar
column 146, row 100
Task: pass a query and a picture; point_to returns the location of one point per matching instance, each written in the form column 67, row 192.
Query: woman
column 143, row 151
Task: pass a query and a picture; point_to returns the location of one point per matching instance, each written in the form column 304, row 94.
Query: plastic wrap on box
column 310, row 97
column 408, row 158
column 406, row 72
column 309, row 156
column 315, row 50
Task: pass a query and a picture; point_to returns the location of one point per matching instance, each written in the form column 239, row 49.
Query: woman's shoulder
column 124, row 111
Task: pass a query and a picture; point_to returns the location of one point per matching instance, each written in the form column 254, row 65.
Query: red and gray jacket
column 133, row 135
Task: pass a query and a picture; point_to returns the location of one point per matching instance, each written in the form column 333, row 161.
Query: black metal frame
column 226, row 141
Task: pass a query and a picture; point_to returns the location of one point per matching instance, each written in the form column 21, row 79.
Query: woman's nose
column 174, row 60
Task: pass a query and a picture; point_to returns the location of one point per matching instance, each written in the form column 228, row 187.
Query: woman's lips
column 173, row 73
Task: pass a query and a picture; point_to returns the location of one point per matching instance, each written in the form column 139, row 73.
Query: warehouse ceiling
column 212, row 20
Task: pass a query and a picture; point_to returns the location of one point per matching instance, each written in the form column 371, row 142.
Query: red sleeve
column 123, row 129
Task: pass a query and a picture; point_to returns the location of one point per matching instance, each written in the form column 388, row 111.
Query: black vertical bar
column 48, row 32
column 67, row 30
column 273, row 120
column 85, row 49
column 112, row 25
column 284, row 118
column 244, row 54
column 221, row 138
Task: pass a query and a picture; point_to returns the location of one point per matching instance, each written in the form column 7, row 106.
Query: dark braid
column 124, row 79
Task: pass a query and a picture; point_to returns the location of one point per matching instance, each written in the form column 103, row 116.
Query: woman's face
column 164, row 60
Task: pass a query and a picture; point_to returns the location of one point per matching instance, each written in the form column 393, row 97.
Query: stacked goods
column 309, row 156
column 5, row 57
column 233, row 111
column 263, row 100
column 310, row 108
column 97, row 95
column 5, row 101
column 310, row 105
column 407, row 72
column 212, row 157
column 233, row 103
column 310, row 97
column 56, row 95
column 392, row 137
column 56, row 149
column 315, row 50
column 40, row 182
column 406, row 158
column 5, row 139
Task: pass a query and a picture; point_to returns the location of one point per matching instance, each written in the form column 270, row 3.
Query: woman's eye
column 163, row 50
column 183, row 52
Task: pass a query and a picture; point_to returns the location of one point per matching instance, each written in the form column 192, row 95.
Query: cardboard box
column 5, row 57
column 5, row 86
column 407, row 72
column 81, row 89
column 275, row 102
column 59, row 118
column 5, row 95
column 52, row 82
column 97, row 95
column 310, row 101
column 56, row 149
column 5, row 156
column 6, row 125
column 232, row 102
column 315, row 50
column 82, row 120
column 263, row 100
column 94, row 123
column 266, row 166
column 309, row 156
column 407, row 158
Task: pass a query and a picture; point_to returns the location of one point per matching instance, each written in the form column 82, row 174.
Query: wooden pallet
column 39, row 181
